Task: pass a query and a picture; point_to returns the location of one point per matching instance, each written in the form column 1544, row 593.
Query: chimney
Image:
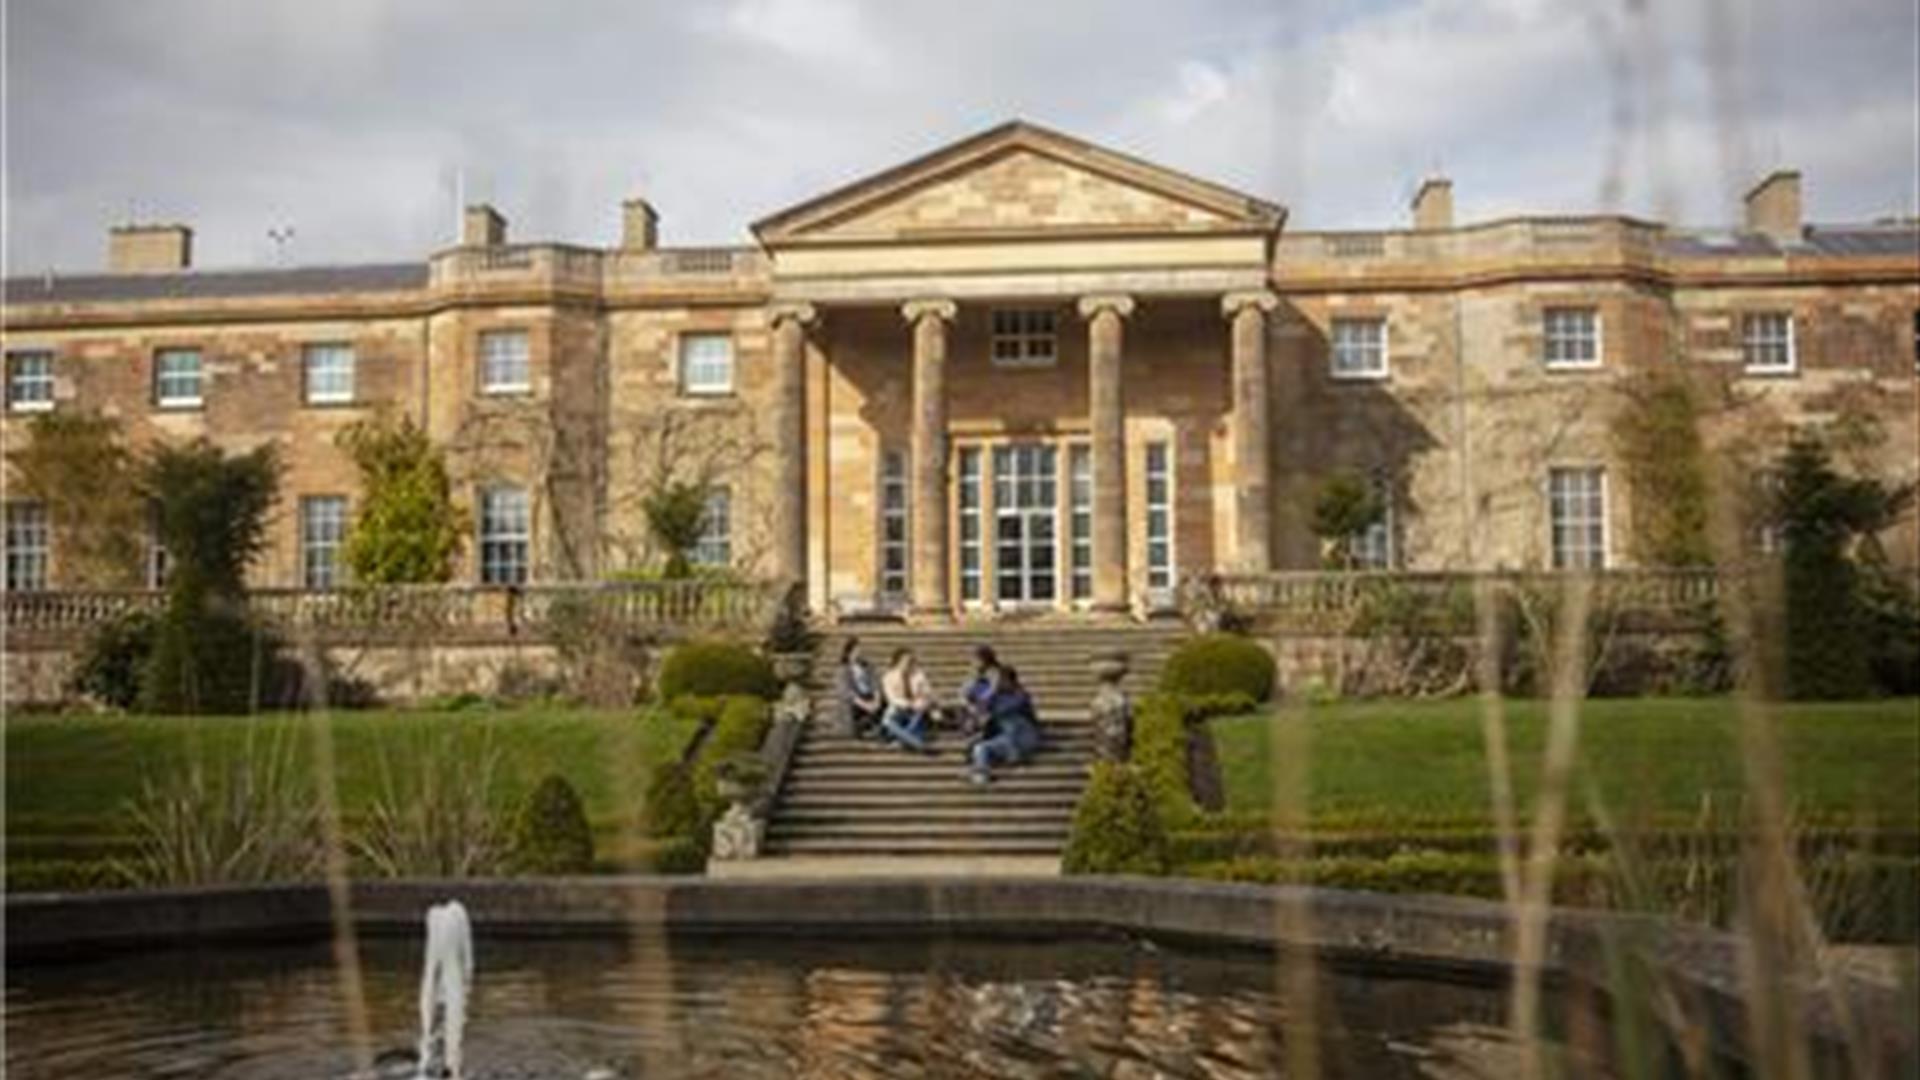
column 639, row 225
column 1773, row 207
column 1433, row 204
column 136, row 249
column 482, row 226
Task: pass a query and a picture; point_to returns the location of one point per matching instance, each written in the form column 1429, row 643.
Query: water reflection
column 749, row 1008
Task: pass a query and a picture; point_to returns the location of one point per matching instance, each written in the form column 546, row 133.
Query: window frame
column 894, row 479
column 1749, row 342
column 330, row 546
column 1548, row 338
column 1023, row 338
column 483, row 361
column 1334, row 351
column 38, row 556
column 1386, row 529
column 714, row 549
column 489, row 543
column 1604, row 551
column 17, row 404
column 308, row 352
column 161, row 400
column 1167, row 507
column 691, row 389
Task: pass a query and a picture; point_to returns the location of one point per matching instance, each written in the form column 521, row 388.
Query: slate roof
column 1893, row 239
column 205, row 284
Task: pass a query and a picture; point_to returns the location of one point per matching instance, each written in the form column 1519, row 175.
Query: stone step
column 869, row 845
column 933, row 827
column 995, row 796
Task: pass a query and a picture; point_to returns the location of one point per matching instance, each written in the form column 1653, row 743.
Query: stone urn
column 1111, row 710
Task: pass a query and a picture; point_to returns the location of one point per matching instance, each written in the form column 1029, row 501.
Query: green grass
column 70, row 778
column 1380, row 765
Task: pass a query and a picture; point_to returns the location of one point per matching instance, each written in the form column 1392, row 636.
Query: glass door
column 1026, row 523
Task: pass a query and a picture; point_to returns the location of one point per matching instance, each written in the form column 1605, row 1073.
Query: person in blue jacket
column 1012, row 732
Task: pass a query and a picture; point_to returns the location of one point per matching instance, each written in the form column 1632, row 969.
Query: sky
column 360, row 124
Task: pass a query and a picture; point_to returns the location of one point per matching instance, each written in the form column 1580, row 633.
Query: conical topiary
column 551, row 835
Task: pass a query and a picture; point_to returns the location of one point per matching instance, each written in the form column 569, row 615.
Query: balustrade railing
column 413, row 611
column 1324, row 599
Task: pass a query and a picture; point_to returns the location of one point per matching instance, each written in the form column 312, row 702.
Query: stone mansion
column 1019, row 373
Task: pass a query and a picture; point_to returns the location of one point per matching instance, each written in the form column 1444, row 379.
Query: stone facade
column 1182, row 342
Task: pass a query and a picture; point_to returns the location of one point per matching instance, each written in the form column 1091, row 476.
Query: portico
column 1030, row 374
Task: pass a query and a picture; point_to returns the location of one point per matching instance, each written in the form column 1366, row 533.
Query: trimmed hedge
column 1215, row 664
column 1160, row 756
column 550, row 834
column 716, row 669
column 1116, row 826
column 683, row 800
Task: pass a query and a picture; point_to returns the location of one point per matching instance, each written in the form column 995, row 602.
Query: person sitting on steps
column 1012, row 732
column 979, row 690
column 860, row 702
column 909, row 702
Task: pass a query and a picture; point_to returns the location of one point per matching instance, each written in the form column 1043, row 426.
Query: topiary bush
column 1214, row 664
column 110, row 663
column 716, row 669
column 739, row 730
column 683, row 799
column 1116, row 826
column 1160, row 757
column 208, row 658
column 550, row 835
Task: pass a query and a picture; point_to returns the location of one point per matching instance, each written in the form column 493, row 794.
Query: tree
column 1657, row 438
column 211, row 515
column 1345, row 506
column 1821, row 515
column 408, row 528
column 76, row 465
column 676, row 512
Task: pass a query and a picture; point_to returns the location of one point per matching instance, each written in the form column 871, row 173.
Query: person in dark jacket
column 979, row 689
column 1013, row 729
column 859, row 688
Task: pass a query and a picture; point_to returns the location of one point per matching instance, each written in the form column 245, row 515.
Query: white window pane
column 323, row 528
column 504, row 367
column 715, row 546
column 329, row 373
column 28, row 546
column 176, row 377
column 706, row 363
column 505, row 536
column 29, row 381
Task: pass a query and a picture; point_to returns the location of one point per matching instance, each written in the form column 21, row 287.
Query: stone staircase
column 861, row 802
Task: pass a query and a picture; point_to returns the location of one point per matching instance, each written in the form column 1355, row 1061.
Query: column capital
column 802, row 313
column 915, row 310
column 1234, row 302
column 1119, row 303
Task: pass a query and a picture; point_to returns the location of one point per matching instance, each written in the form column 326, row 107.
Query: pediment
column 1018, row 179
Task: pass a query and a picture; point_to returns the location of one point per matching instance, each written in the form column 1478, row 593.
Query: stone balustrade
column 1330, row 601
column 442, row 612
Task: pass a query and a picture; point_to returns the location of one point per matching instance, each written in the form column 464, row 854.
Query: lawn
column 70, row 779
column 1375, row 765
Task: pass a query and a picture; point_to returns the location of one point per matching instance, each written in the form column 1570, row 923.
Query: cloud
column 347, row 119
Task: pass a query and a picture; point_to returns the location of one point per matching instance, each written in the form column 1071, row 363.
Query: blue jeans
column 1001, row 749
column 907, row 727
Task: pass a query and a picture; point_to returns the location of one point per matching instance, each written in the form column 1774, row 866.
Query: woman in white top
column 909, row 701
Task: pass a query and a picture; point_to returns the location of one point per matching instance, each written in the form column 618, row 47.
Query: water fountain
column 444, row 980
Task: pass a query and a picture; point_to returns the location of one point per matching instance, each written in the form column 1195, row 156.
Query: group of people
column 994, row 712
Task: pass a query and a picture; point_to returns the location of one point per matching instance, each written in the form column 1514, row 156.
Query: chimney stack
column 137, row 249
column 482, row 226
column 639, row 225
column 1433, row 204
column 1773, row 207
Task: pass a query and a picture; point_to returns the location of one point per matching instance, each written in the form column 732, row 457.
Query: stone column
column 789, row 435
column 1106, row 402
column 1252, row 430
column 928, row 482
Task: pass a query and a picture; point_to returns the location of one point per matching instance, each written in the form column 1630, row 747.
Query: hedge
column 1214, row 664
column 716, row 669
column 683, row 800
column 1117, row 827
